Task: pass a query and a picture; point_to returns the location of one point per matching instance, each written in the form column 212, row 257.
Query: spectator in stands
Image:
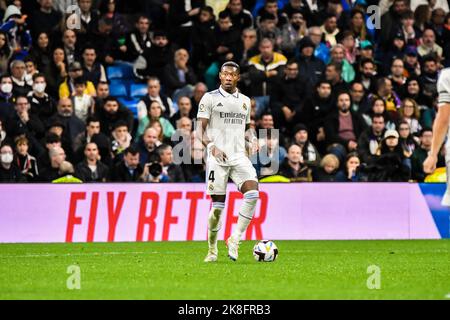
column 91, row 169
column 203, row 40
column 42, row 104
column 390, row 97
column 182, row 13
column 155, row 113
column 160, row 54
column 139, row 40
column 397, row 76
column 67, row 88
column 7, row 100
column 147, row 145
column 121, row 139
column 407, row 141
column 5, row 52
column 240, row 17
column 429, row 76
column 270, row 155
column 92, row 128
column 65, row 114
column 327, row 172
column 333, row 74
column 93, row 70
column 311, row 68
column 360, row 103
column 310, row 154
column 51, row 172
column 199, row 90
column 82, row 102
column 288, row 96
column 9, row 172
column 421, row 153
column 71, row 50
column 128, row 169
column 293, row 32
column 338, row 56
column 111, row 112
column 46, row 19
column 3, row 137
column 293, row 166
column 343, row 126
column 184, row 110
column 367, row 75
column 226, row 39
column 268, row 28
column 57, row 72
column 24, row 122
column 411, row 63
column 264, row 71
column 173, row 171
column 179, row 77
column 102, row 94
column 369, row 141
column 351, row 172
column 65, row 173
column 330, row 29
column 26, row 162
column 271, row 7
column 389, row 166
column 410, row 113
column 247, row 48
column 21, row 86
column 428, row 45
column 154, row 94
column 89, row 20
column 391, row 22
column 195, row 170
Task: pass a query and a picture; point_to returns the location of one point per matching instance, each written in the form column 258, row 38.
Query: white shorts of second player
column 217, row 175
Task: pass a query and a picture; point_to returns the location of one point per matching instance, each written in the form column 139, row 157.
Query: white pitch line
column 46, row 255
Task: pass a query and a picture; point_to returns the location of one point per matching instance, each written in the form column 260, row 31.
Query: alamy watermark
column 374, row 280
column 73, row 282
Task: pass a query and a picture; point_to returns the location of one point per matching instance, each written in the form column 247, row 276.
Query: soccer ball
column 265, row 250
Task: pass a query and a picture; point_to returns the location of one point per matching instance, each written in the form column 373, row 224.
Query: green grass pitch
column 175, row 270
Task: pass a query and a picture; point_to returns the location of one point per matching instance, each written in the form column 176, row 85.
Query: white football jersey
column 228, row 115
column 443, row 87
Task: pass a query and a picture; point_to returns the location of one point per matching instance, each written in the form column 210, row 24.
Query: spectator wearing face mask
column 42, row 104
column 8, row 171
column 7, row 99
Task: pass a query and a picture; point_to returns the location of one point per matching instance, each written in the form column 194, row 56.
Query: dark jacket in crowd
column 12, row 174
column 107, row 120
column 120, row 173
column 331, row 127
column 84, row 173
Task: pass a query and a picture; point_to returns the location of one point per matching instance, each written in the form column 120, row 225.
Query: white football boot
column 233, row 247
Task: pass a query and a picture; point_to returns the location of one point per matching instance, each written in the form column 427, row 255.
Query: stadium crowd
column 352, row 94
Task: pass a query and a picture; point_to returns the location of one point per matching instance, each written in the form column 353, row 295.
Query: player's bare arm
column 440, row 129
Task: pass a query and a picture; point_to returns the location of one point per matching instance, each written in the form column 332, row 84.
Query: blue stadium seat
column 118, row 90
column 120, row 71
column 131, row 104
column 138, row 90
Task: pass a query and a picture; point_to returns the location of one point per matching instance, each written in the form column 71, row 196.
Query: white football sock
column 246, row 213
column 214, row 223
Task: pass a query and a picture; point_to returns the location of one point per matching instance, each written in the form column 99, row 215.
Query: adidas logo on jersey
column 220, row 104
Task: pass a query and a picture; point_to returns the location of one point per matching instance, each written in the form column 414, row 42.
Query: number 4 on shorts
column 211, row 176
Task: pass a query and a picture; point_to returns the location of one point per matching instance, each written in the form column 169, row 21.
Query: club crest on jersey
column 211, row 187
column 244, row 106
column 202, row 107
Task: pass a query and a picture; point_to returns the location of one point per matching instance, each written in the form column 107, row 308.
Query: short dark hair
column 378, row 115
column 39, row 75
column 426, row 129
column 162, row 148
column 231, row 64
column 336, row 65
column 224, row 14
column 113, row 99
column 131, row 150
column 91, row 119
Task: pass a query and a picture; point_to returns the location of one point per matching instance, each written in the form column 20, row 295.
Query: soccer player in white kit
column 440, row 129
column 224, row 116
